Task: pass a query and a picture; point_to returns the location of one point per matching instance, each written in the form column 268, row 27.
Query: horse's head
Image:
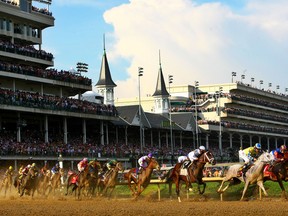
column 208, row 157
column 265, row 157
column 153, row 164
column 119, row 166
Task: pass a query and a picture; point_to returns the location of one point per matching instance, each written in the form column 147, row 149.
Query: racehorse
column 44, row 182
column 193, row 174
column 110, row 180
column 29, row 183
column 278, row 173
column 6, row 183
column 55, row 181
column 92, row 178
column 143, row 179
column 77, row 180
column 253, row 175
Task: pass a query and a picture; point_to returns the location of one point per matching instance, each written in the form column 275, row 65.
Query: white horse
column 253, row 175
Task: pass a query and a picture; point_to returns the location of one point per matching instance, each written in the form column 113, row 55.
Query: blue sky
column 203, row 40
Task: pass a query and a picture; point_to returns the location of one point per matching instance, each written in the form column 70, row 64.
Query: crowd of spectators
column 33, row 145
column 42, row 11
column 261, row 115
column 245, row 126
column 10, row 2
column 28, row 50
column 36, row 100
column 51, row 73
column 39, row 10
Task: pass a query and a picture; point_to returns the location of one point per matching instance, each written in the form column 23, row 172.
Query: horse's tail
column 169, row 175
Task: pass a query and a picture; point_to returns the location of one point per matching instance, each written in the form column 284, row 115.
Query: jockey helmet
column 283, row 148
column 150, row 155
column 28, row 166
column 202, row 148
column 85, row 159
column 33, row 165
column 57, row 164
column 258, row 146
column 10, row 168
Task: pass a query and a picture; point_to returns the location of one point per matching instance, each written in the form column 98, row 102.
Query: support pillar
column 102, row 132
column 46, row 129
column 230, row 138
column 207, row 141
column 65, row 130
column 84, row 138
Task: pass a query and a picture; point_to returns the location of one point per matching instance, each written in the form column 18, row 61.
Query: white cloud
column 199, row 42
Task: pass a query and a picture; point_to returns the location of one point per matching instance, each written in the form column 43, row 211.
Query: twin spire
column 160, row 85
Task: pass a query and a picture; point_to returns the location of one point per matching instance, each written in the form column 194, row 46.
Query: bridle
column 209, row 160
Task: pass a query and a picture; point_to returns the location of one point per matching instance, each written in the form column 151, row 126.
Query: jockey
column 249, row 155
column 55, row 169
column 24, row 171
column 194, row 155
column 279, row 153
column 93, row 166
column 108, row 166
column 9, row 171
column 44, row 169
column 82, row 164
column 181, row 159
column 143, row 162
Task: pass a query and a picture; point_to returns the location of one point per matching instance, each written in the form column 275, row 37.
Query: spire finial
column 104, row 42
column 159, row 58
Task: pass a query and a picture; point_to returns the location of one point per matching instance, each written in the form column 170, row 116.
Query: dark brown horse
column 6, row 183
column 43, row 183
column 193, row 174
column 277, row 173
column 77, row 181
column 143, row 179
column 92, row 178
column 29, row 183
column 109, row 181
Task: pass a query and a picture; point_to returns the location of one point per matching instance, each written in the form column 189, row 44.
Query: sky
column 198, row 40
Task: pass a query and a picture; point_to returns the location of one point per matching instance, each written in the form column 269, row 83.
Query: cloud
column 203, row 42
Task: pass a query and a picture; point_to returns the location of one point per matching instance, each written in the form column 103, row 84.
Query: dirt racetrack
column 13, row 205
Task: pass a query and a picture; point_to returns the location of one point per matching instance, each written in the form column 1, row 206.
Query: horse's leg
column 245, row 189
column 280, row 182
column 204, row 186
column 177, row 180
column 260, row 184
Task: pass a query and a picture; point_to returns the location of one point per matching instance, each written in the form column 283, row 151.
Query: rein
column 210, row 160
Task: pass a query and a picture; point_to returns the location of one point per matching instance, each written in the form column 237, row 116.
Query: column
column 276, row 142
column 65, row 130
column 41, row 89
column 84, row 138
column 268, row 143
column 19, row 128
column 107, row 134
column 167, row 140
column 250, row 137
column 46, row 129
column 259, row 139
column 241, row 141
column 207, row 141
column 102, row 132
column 220, row 142
column 230, row 138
